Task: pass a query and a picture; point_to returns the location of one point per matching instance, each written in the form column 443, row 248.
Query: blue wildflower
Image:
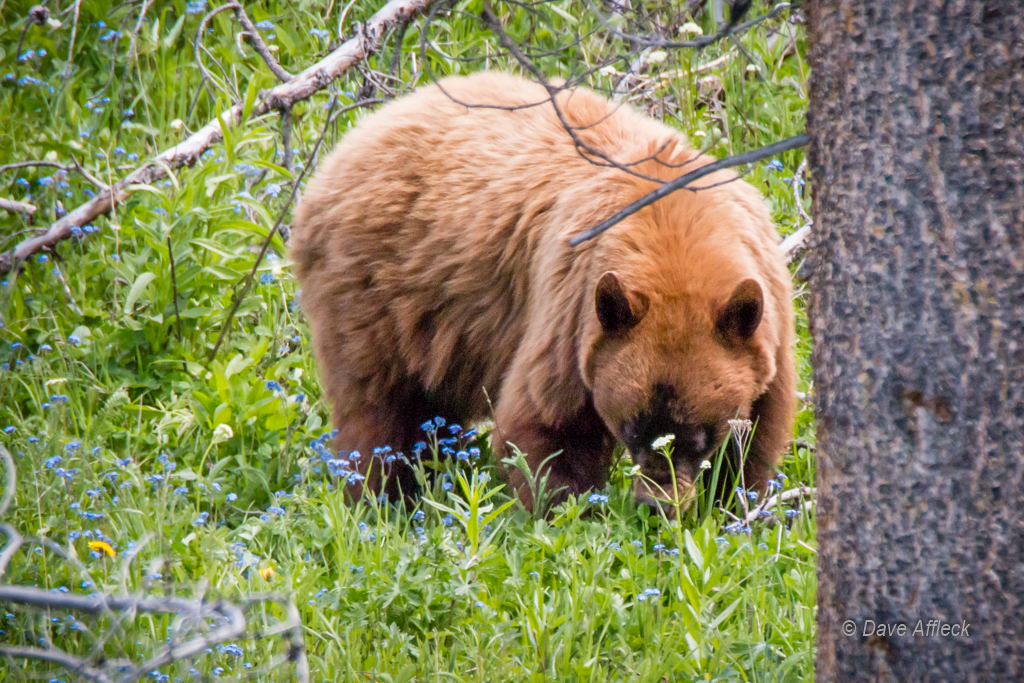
column 597, row 498
column 266, row 278
column 265, row 25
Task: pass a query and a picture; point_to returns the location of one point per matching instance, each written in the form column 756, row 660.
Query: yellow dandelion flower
column 101, row 546
column 267, row 572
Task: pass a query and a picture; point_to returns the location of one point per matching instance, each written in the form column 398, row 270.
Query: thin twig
column 132, row 53
column 199, row 48
column 684, row 180
column 71, row 43
column 301, row 87
column 727, row 30
column 286, row 136
column 792, row 244
column 76, row 167
column 240, row 296
column 259, row 45
column 174, row 288
column 489, row 18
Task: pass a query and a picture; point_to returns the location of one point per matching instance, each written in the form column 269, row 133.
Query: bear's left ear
column 738, row 319
column 617, row 308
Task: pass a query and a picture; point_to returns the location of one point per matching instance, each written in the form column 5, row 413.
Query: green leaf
column 168, row 42
column 695, row 554
column 222, row 414
column 724, row 615
column 136, row 291
column 236, row 365
column 405, row 674
column 276, row 422
column 214, row 181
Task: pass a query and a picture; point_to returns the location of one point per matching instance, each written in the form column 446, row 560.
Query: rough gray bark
column 917, row 273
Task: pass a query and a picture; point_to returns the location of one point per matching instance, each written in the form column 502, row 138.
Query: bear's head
column 682, row 362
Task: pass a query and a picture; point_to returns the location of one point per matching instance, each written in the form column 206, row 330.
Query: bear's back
column 425, row 233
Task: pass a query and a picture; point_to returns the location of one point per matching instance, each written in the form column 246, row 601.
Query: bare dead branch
column 198, row 46
column 12, row 206
column 584, row 149
column 771, row 502
column 301, row 87
column 684, row 180
column 792, row 243
column 68, row 662
column 257, row 42
column 76, row 167
column 10, row 479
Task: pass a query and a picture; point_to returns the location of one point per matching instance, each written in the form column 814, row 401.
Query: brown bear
column 432, row 249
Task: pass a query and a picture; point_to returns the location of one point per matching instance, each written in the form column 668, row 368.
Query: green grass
column 384, row 593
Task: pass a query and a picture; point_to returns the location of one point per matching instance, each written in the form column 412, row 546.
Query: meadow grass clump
column 145, row 467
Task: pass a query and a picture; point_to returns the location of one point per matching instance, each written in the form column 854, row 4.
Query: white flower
column 657, row 57
column 177, row 124
column 663, row 441
column 222, row 432
column 705, row 464
column 690, row 28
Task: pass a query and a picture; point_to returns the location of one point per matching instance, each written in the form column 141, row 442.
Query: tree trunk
column 917, row 313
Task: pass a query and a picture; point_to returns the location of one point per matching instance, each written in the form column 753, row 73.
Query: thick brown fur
column 432, row 249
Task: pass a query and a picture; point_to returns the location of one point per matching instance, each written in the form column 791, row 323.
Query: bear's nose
column 693, row 442
column 699, row 441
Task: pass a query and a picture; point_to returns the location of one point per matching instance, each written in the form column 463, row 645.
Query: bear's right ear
column 618, row 309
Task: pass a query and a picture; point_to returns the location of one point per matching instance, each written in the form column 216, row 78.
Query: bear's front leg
column 583, row 463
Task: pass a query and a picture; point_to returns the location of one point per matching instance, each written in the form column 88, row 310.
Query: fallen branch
column 76, row 167
column 302, row 86
column 230, row 616
column 794, row 241
column 75, row 665
column 769, row 503
column 684, row 180
column 12, row 206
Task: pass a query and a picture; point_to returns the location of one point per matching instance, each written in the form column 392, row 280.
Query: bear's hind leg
column 369, row 427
